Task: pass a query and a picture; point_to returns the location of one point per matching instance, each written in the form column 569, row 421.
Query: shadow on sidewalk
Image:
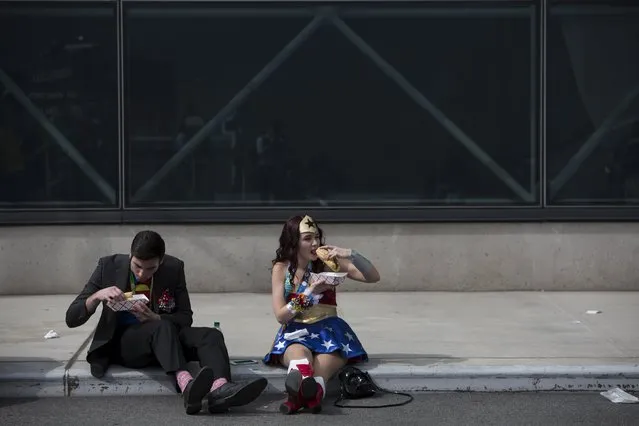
column 9, row 402
column 31, row 370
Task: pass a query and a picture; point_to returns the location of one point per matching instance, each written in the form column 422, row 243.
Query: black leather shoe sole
column 97, row 371
column 197, row 389
column 242, row 396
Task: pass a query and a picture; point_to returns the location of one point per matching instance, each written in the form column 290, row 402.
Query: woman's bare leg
column 296, row 352
column 325, row 366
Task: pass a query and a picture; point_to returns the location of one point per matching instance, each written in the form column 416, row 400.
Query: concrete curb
column 27, row 379
column 509, row 378
column 512, row 378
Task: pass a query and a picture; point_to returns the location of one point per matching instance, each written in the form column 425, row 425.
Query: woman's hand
column 357, row 266
column 338, row 252
column 319, row 286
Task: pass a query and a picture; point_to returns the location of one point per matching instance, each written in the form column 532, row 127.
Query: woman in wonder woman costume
column 313, row 342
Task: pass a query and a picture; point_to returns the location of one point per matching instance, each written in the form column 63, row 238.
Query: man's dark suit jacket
column 114, row 270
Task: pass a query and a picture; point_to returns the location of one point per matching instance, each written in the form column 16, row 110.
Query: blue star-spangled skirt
column 330, row 335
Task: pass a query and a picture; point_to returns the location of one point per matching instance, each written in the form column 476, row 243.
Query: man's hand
column 143, row 313
column 109, row 294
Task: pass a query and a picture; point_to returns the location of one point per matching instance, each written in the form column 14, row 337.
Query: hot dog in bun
column 322, row 253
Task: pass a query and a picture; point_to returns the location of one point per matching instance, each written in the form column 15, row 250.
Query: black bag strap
column 340, row 398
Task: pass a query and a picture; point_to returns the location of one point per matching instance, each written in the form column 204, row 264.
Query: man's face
column 144, row 269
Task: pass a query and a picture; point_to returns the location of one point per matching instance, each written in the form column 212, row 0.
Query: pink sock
column 183, row 378
column 218, row 383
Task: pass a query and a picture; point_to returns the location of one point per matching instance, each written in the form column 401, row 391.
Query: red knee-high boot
column 315, row 404
column 300, row 386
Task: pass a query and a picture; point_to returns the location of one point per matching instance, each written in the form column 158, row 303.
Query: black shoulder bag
column 358, row 384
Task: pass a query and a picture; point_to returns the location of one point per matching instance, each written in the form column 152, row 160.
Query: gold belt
column 316, row 313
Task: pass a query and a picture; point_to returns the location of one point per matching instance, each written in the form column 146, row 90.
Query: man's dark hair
column 148, row 245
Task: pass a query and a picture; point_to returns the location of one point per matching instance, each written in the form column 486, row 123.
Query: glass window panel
column 58, row 105
column 593, row 105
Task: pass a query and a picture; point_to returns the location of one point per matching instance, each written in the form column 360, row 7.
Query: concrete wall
column 455, row 257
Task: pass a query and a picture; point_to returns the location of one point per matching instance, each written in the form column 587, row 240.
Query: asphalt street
column 427, row 409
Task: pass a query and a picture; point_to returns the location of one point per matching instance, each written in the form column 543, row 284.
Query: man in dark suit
column 160, row 332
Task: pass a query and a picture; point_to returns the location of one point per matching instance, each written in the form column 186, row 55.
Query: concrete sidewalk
column 424, row 341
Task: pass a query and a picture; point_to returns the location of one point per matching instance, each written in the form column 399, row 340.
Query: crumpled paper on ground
column 51, row 335
column 619, row 396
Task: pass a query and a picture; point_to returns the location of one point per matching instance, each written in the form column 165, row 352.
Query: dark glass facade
column 173, row 111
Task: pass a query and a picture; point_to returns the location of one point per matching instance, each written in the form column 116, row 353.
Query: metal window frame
column 541, row 213
column 346, row 215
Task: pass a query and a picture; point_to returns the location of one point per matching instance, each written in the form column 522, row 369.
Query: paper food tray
column 126, row 305
column 331, row 278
